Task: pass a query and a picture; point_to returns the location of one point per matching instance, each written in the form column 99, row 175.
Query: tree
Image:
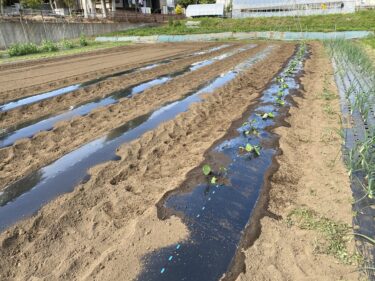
column 69, row 4
column 32, row 3
column 206, row 1
column 178, row 9
column 104, row 8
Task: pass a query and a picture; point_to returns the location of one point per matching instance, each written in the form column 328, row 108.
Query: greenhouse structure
column 271, row 8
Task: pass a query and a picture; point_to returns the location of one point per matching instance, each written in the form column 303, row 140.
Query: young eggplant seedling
column 280, row 102
column 206, row 169
column 280, row 94
column 268, row 115
column 255, row 149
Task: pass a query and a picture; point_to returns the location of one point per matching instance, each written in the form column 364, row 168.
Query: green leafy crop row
column 47, row 46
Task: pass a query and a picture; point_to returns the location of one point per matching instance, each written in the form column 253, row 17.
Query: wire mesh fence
column 78, row 15
column 34, row 26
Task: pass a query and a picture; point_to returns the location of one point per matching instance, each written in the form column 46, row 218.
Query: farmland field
column 175, row 161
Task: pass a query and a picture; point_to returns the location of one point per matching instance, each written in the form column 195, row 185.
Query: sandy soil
column 30, row 154
column 43, row 76
column 98, row 90
column 311, row 175
column 99, row 231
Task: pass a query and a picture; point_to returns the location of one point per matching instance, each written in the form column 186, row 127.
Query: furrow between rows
column 83, row 70
column 30, row 154
column 96, row 91
column 111, row 218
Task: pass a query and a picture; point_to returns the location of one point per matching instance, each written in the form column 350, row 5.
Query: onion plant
column 353, row 62
column 355, row 65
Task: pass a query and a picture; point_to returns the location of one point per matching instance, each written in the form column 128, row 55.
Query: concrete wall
column 239, row 36
column 35, row 32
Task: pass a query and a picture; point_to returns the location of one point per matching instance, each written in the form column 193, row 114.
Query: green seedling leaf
column 268, row 115
column 206, row 169
column 249, row 147
column 223, row 169
column 213, row 180
column 252, row 130
column 245, row 124
column 280, row 102
column 369, row 239
column 280, row 94
column 257, row 150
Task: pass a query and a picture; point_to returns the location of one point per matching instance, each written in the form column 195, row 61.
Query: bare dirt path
column 31, row 79
column 101, row 231
column 311, row 179
column 98, row 90
column 30, row 154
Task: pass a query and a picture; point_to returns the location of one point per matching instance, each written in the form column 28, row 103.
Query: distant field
column 92, row 46
column 364, row 20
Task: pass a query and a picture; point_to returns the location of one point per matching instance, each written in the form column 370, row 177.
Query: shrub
column 34, row 4
column 177, row 23
column 83, row 41
column 20, row 49
column 48, row 46
column 178, row 10
column 67, row 44
column 170, row 22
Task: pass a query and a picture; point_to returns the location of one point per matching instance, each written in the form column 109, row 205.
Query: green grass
column 368, row 44
column 364, row 20
column 333, row 236
column 92, row 45
column 370, row 41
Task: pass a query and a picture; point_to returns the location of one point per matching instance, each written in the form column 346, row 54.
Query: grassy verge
column 369, row 42
column 332, row 236
column 92, row 46
column 364, row 20
column 369, row 45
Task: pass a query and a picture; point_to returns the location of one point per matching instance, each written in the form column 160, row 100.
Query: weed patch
column 20, row 49
column 333, row 236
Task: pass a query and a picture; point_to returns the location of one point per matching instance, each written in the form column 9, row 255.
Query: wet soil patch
column 30, row 128
column 27, row 195
column 61, row 91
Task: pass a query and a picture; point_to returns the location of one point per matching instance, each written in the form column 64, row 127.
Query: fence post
column 44, row 27
column 5, row 43
column 23, row 28
column 64, row 28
